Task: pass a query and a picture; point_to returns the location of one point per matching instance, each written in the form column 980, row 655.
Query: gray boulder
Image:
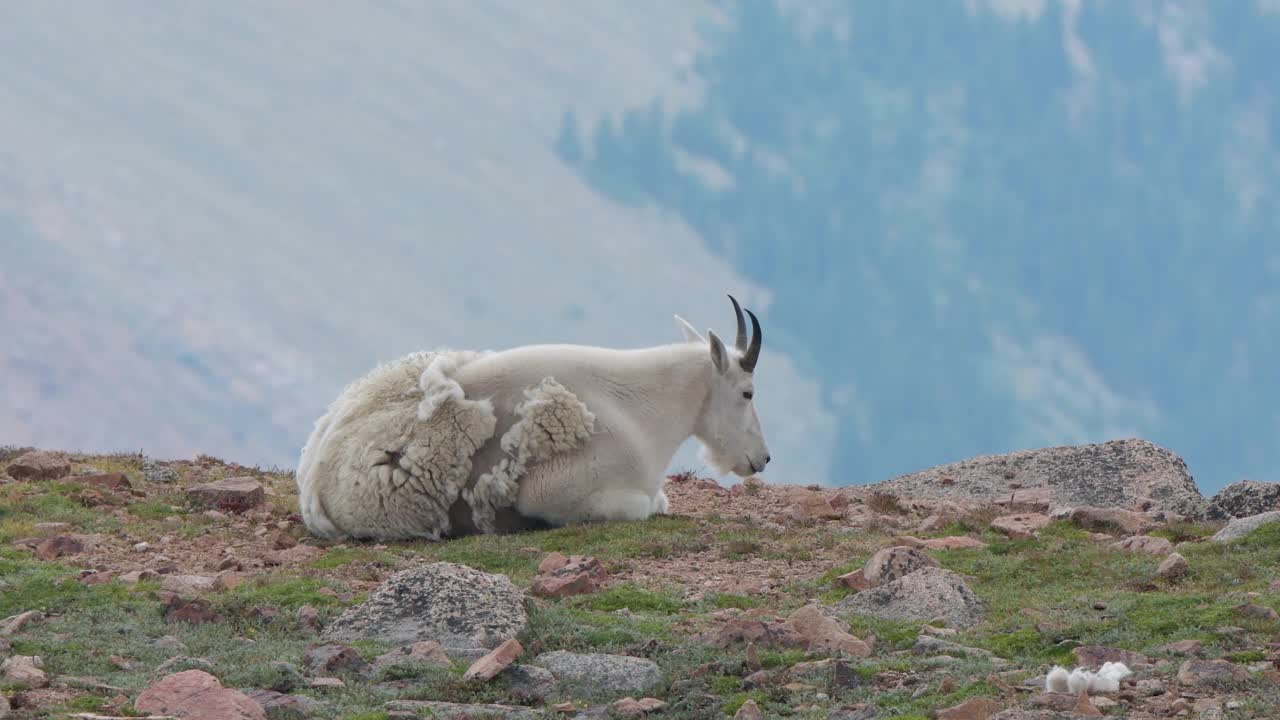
column 529, row 683
column 1240, row 527
column 925, row 594
column 604, row 674
column 1119, row 473
column 893, row 563
column 1243, row 499
column 455, row 605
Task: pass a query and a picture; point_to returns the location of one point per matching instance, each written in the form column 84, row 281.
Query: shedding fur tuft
column 551, row 420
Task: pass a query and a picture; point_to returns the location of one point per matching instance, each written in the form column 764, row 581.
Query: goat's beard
column 717, row 459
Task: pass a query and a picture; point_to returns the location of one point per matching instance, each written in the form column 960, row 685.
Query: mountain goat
column 451, row 443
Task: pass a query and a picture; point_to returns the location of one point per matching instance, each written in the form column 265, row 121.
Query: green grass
column 1141, row 613
column 576, row 629
column 156, row 509
column 278, row 591
column 722, row 601
column 629, row 597
column 610, row 542
column 24, row 506
column 52, row 588
column 338, row 557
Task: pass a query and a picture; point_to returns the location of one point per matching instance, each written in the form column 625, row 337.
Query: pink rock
column 1173, row 567
column 1108, row 520
column 39, row 465
column 1260, row 612
column 428, row 652
column 56, row 547
column 1034, row 500
column 765, row 634
column 97, row 578
column 825, row 633
column 1095, row 656
column 1204, row 672
column 309, row 617
column 562, row 586
column 552, row 562
column 334, row 657
column 196, row 612
column 1146, row 544
column 933, row 523
column 197, row 695
column 630, row 707
column 236, row 494
column 1183, row 647
column 580, row 576
column 487, row 667
column 855, row 580
column 25, row 670
column 1021, row 525
column 1085, row 708
column 892, row 563
column 809, row 506
column 188, row 583
column 11, row 625
column 134, row 577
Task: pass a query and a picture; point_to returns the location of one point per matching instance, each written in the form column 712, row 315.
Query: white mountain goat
column 450, row 443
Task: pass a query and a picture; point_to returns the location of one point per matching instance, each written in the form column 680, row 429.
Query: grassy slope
column 1041, row 594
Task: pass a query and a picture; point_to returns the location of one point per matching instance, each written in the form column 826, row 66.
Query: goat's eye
column 748, row 394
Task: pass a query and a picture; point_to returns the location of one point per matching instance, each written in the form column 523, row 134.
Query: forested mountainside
column 991, row 225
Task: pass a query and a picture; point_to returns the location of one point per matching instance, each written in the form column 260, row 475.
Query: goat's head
column 729, row 427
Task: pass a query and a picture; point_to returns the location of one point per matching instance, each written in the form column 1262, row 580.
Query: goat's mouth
column 751, row 464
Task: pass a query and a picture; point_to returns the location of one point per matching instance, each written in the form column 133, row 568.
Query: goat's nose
column 767, row 458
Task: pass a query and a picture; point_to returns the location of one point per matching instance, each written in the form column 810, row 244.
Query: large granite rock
column 1243, row 499
column 926, row 594
column 1240, row 527
column 455, row 605
column 608, row 674
column 1120, row 473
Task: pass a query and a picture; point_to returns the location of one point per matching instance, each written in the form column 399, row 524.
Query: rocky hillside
column 188, row 589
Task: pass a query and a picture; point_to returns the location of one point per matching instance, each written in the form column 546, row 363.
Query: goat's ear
column 719, row 356
column 690, row 334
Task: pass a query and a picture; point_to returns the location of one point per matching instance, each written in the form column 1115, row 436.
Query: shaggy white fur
column 444, row 443
column 1105, row 680
column 393, row 452
column 552, row 420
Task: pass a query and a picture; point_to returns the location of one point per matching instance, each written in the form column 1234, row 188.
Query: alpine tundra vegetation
column 135, row 587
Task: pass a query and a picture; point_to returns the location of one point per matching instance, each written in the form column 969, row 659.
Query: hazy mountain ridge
column 264, row 201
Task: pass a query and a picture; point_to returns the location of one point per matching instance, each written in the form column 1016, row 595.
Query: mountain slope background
column 991, row 224
column 213, row 216
column 971, row 227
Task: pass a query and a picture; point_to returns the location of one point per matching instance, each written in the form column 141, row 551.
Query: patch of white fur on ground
column 1105, row 680
column 552, row 420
